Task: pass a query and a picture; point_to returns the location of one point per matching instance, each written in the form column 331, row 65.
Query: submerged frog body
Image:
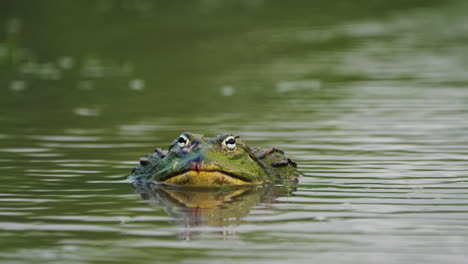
column 222, row 160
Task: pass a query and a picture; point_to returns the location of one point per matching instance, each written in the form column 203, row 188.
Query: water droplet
column 227, row 91
column 137, row 84
column 66, row 62
column 86, row 111
column 18, row 85
column 49, row 71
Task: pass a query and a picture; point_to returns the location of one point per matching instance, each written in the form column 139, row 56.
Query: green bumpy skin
column 222, row 160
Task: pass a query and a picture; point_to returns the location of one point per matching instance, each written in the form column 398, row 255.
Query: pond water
column 370, row 98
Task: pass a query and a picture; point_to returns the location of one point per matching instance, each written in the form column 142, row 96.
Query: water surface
column 370, row 99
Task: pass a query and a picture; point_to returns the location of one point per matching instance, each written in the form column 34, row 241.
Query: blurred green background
column 129, row 59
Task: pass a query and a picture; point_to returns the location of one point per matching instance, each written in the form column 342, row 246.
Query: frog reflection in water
column 222, row 160
column 212, row 181
column 220, row 208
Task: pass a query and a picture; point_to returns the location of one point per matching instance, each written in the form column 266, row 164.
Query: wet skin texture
column 222, row 160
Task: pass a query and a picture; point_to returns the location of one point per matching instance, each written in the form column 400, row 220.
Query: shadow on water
column 214, row 210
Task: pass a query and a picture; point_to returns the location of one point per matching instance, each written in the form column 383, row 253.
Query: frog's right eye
column 230, row 142
column 183, row 141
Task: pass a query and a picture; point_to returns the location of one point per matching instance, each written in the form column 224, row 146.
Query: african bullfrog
column 223, row 160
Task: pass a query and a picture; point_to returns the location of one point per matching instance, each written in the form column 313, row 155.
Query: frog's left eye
column 230, row 142
column 183, row 141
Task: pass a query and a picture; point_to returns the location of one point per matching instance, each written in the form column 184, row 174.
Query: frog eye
column 183, row 141
column 230, row 142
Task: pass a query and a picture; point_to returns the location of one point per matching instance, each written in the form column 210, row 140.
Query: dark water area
column 370, row 98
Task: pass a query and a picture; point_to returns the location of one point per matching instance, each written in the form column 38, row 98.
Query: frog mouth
column 203, row 178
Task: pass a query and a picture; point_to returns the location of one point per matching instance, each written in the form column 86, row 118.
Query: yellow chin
column 205, row 178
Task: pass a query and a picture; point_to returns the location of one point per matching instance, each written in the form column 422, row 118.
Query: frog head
column 222, row 160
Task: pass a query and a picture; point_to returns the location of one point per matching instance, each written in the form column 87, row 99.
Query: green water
column 370, row 98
